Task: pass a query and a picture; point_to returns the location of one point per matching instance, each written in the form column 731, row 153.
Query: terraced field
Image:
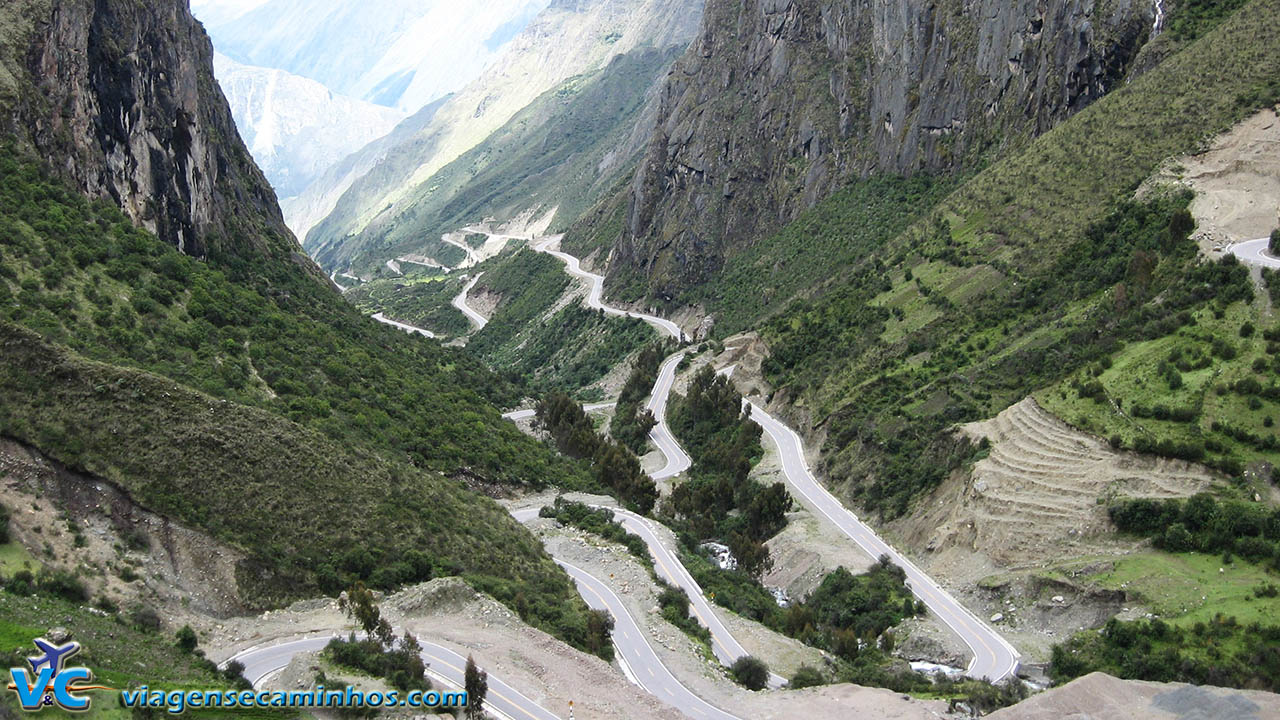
column 1045, row 483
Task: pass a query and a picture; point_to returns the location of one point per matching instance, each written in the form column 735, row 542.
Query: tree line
column 614, row 465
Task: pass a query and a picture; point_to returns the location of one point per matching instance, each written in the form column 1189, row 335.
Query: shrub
column 63, row 584
column 750, row 672
column 187, row 639
column 806, row 676
column 144, row 617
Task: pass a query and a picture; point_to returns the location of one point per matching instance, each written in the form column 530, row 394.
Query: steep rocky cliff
column 120, row 98
column 780, row 102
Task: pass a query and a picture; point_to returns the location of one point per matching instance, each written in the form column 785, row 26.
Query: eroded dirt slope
column 1040, row 493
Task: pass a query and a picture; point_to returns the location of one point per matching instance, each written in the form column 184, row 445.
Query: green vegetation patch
column 616, row 468
column 850, row 616
column 631, row 423
column 282, row 493
column 836, row 234
column 1186, row 588
column 1202, row 522
column 719, row 500
column 1206, row 392
column 1221, row 652
column 421, row 301
column 263, row 332
column 120, row 654
column 526, row 341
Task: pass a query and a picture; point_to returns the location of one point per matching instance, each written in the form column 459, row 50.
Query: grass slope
column 119, row 654
column 569, row 349
column 260, row 333
column 311, row 513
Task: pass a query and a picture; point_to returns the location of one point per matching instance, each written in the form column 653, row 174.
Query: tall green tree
column 476, row 683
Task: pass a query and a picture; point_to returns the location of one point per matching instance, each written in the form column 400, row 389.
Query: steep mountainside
column 570, row 146
column 227, row 385
column 296, row 128
column 781, row 102
column 1041, row 265
column 566, row 39
column 122, row 95
column 317, row 200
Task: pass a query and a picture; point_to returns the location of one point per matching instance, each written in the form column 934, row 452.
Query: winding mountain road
column 1255, row 252
column 678, row 460
column 260, row 662
column 726, row 648
column 411, row 329
column 595, row 290
column 478, row 321
column 635, row 653
column 993, row 657
column 526, row 414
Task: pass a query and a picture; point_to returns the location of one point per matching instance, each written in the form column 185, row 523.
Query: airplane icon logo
column 55, row 657
column 51, row 682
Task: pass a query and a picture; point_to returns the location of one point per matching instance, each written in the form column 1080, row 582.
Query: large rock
column 121, row 93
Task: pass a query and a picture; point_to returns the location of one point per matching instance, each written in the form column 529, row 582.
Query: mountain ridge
column 566, row 39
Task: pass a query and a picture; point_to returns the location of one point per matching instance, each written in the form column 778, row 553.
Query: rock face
column 119, row 96
column 778, row 103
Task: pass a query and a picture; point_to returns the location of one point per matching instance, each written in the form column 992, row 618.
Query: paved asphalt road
column 993, row 657
column 595, row 291
column 1255, row 252
column 403, row 326
column 726, row 648
column 443, row 662
column 526, row 414
column 677, row 459
column 460, row 302
column 636, row 655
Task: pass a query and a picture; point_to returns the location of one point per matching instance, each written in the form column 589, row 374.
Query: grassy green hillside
column 1031, row 270
column 262, row 333
column 245, row 398
column 568, row 350
column 563, row 151
column 855, row 221
column 120, row 654
column 419, row 299
column 313, row 514
column 1206, row 392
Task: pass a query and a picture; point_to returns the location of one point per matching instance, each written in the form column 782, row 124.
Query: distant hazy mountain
column 296, row 128
column 398, row 53
column 571, row 37
column 216, row 12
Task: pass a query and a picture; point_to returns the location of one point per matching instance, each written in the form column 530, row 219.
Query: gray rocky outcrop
column 778, row 103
